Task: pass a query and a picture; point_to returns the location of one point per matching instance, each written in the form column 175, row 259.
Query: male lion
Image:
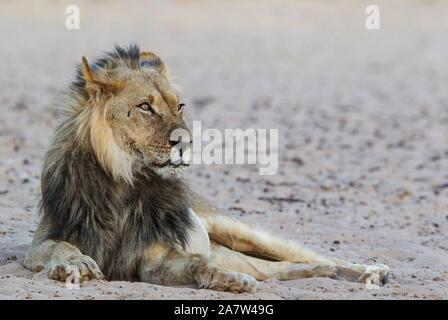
column 114, row 204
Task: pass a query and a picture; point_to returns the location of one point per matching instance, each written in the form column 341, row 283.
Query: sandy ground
column 362, row 118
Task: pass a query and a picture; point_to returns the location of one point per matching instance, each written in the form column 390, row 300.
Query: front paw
column 77, row 267
column 237, row 283
column 376, row 274
column 229, row 281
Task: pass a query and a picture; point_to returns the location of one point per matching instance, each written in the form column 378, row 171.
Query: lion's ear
column 95, row 85
column 152, row 61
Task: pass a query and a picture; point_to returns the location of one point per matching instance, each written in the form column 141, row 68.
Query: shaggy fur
column 111, row 221
column 114, row 204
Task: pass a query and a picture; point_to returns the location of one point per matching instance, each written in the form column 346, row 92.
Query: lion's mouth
column 171, row 164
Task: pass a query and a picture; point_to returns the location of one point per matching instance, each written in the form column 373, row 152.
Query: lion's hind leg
column 263, row 269
column 251, row 240
column 254, row 241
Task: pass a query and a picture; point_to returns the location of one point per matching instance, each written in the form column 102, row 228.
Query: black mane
column 113, row 224
column 111, row 221
column 121, row 55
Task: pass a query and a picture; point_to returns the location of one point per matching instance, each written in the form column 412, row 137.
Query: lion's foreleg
column 166, row 266
column 59, row 259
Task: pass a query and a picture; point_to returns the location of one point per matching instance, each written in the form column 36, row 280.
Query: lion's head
column 126, row 110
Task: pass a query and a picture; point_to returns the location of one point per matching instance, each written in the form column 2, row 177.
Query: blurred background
column 362, row 118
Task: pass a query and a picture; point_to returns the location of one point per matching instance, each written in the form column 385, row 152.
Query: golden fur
column 113, row 203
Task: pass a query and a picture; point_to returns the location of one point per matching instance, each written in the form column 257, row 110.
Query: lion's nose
column 183, row 141
column 181, row 145
column 173, row 142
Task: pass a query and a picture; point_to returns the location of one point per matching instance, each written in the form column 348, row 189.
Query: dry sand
column 362, row 117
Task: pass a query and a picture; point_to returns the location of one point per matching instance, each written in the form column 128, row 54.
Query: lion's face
column 134, row 114
column 142, row 117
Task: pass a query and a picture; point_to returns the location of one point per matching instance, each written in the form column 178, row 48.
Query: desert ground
column 362, row 118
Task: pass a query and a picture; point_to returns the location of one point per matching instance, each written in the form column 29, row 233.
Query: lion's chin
column 165, row 170
column 169, row 171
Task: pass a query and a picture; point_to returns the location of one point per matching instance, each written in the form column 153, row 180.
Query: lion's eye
column 146, row 107
column 180, row 107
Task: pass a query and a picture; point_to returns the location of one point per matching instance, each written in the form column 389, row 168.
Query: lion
column 115, row 206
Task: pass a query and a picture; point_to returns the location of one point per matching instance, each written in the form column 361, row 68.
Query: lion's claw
column 81, row 267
